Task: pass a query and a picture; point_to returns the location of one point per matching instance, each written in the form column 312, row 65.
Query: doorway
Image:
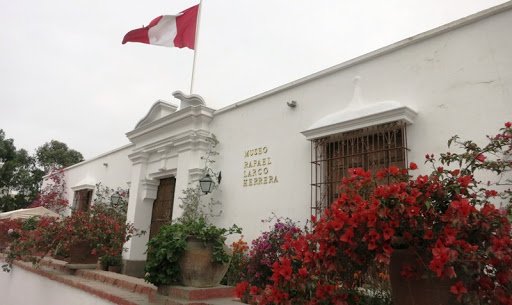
column 163, row 205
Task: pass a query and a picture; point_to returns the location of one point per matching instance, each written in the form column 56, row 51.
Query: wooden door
column 83, row 200
column 162, row 206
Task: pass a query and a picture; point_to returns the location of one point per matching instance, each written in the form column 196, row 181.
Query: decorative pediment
column 157, row 111
column 360, row 116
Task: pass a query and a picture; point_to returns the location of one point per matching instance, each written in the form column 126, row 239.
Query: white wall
column 459, row 82
column 112, row 169
column 458, row 78
column 20, row 287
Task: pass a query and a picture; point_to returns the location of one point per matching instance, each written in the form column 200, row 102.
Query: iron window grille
column 371, row 148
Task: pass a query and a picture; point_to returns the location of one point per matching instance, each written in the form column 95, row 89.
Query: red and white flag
column 169, row 31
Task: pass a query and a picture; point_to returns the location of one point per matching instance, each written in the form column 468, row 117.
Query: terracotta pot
column 116, row 269
column 101, row 266
column 422, row 291
column 197, row 269
column 80, row 253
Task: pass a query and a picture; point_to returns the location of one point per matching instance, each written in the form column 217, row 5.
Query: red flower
column 254, row 290
column 508, row 124
column 347, row 236
column 241, row 288
column 465, row 180
column 428, row 234
column 455, row 172
column 413, row 166
column 388, row 233
column 303, row 272
column 459, row 290
column 463, row 207
column 393, row 170
column 491, row 193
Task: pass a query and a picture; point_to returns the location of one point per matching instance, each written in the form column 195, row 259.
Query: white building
column 280, row 149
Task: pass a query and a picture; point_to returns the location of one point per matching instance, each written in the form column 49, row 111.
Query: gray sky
column 64, row 74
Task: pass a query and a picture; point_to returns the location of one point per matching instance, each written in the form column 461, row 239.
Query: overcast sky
column 64, row 74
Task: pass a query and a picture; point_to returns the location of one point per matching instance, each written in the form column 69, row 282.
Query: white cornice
column 138, row 157
column 163, row 174
column 175, row 142
column 361, row 117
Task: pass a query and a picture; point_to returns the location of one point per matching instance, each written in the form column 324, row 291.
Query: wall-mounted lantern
column 115, row 199
column 206, row 184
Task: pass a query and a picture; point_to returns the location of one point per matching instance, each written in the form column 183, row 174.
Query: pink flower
column 481, row 157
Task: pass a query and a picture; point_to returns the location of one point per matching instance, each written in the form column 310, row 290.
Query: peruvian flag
column 169, row 31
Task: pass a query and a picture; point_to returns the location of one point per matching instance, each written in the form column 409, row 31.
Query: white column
column 142, row 195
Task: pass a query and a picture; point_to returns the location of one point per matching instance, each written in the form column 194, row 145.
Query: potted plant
column 111, row 263
column 446, row 227
column 191, row 251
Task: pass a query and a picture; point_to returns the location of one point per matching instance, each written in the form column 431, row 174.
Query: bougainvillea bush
column 104, row 231
column 7, row 229
column 456, row 225
column 264, row 251
column 53, row 193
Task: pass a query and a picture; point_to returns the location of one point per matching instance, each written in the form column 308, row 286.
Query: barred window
column 371, row 148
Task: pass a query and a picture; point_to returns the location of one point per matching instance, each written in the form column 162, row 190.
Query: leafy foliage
column 55, row 154
column 238, row 264
column 111, row 260
column 192, row 202
column 19, row 176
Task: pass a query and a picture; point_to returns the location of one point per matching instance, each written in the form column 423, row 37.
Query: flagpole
column 195, row 46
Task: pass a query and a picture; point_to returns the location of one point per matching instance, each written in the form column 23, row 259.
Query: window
column 82, row 200
column 371, row 148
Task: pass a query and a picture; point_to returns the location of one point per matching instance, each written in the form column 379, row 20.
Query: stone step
column 114, row 294
column 193, row 293
column 217, row 301
column 128, row 290
column 122, row 281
